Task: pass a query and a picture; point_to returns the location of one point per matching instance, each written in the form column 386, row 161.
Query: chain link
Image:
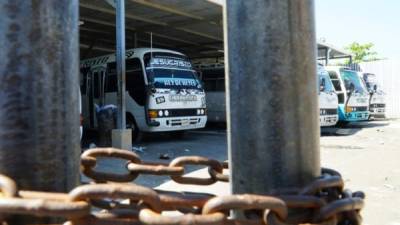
column 323, row 201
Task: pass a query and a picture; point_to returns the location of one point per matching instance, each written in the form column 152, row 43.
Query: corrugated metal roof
column 193, row 27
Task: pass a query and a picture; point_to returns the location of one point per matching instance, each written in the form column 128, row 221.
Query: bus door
column 96, row 94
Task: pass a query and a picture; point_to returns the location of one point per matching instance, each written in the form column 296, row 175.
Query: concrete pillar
column 273, row 127
column 39, row 91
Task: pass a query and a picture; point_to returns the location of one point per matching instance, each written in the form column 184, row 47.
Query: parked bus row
column 345, row 95
column 164, row 92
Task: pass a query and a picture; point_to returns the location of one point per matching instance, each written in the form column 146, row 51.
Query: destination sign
column 170, row 62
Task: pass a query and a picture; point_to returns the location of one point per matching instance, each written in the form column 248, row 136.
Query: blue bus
column 353, row 96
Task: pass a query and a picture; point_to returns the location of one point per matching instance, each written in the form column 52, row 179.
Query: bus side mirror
column 375, row 87
column 322, row 85
column 351, row 88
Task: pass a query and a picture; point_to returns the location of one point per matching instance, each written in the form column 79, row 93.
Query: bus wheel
column 342, row 123
column 136, row 133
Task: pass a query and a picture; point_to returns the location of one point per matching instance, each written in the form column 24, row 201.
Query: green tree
column 362, row 52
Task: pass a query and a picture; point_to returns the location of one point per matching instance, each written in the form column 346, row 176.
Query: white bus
column 163, row 92
column 328, row 100
column 377, row 96
column 213, row 77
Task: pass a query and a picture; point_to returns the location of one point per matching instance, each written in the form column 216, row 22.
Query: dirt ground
column 369, row 160
column 367, row 154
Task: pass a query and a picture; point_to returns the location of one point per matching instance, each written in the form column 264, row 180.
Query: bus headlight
column 202, row 111
column 198, row 111
column 166, row 112
column 160, row 113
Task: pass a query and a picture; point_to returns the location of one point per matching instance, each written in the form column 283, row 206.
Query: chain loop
column 155, row 169
column 219, row 176
column 183, row 201
column 323, row 183
column 273, row 219
column 89, row 161
column 324, row 201
column 44, row 207
column 149, row 217
column 195, row 160
column 117, row 191
column 8, row 188
column 338, row 206
column 246, row 202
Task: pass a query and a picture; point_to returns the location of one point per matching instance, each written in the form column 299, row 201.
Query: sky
column 341, row 22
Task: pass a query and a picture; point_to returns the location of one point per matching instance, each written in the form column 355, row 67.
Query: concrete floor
column 367, row 154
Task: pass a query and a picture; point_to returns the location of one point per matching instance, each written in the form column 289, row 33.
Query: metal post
column 135, row 40
column 39, row 91
column 327, row 53
column 120, row 20
column 273, row 128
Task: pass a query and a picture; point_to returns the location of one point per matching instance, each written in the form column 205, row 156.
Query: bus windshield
column 325, row 83
column 168, row 70
column 351, row 77
column 172, row 78
column 370, row 82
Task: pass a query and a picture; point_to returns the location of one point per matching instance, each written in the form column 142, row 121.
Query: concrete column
column 39, row 91
column 273, row 127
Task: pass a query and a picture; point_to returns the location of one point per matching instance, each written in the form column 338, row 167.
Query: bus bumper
column 178, row 123
column 328, row 120
column 377, row 112
column 356, row 116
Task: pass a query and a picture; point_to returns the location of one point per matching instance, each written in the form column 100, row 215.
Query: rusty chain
column 322, row 202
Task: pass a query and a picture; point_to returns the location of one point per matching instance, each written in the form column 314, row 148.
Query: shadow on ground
column 352, row 128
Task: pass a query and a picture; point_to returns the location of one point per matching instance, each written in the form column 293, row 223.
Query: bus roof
column 131, row 53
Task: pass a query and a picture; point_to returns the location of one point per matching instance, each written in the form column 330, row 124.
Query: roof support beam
column 150, row 21
column 104, row 23
column 111, row 2
column 173, row 10
column 104, row 49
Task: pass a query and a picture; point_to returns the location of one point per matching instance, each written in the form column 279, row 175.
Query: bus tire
column 342, row 123
column 131, row 124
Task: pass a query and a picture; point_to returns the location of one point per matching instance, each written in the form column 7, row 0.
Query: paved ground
column 367, row 154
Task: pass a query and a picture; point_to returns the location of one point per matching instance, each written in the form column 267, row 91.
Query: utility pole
column 273, row 127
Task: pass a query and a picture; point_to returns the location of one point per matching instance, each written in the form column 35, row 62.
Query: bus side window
column 111, row 83
column 335, row 81
column 96, row 84
column 84, row 80
column 135, row 81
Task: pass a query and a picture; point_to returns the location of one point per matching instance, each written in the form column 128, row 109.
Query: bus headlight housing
column 160, row 113
column 166, row 112
column 349, row 109
column 152, row 114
